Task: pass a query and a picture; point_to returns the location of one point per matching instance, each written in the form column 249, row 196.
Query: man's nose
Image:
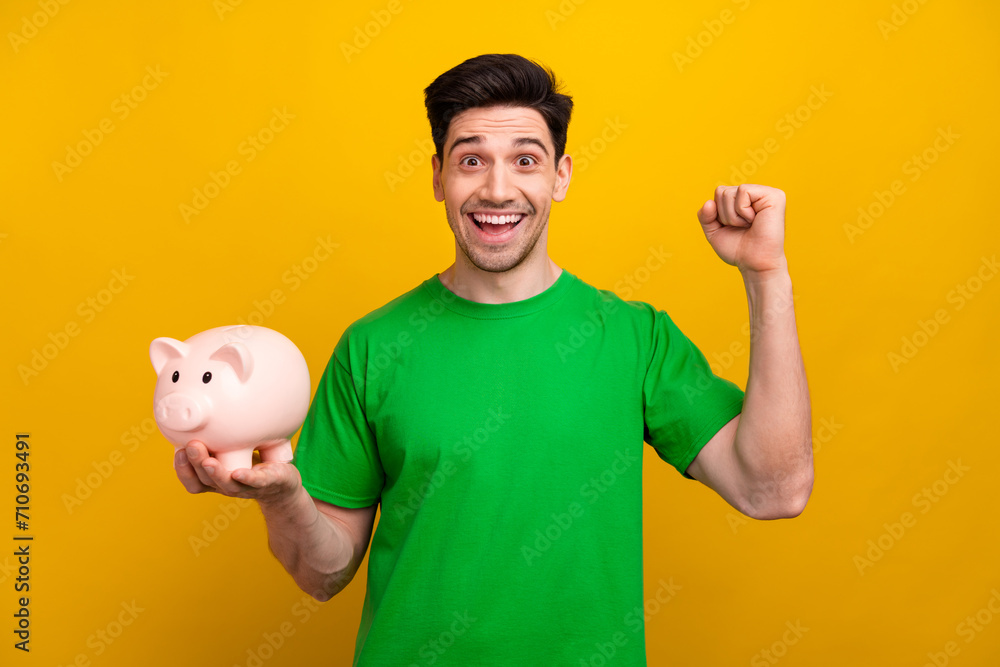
column 499, row 185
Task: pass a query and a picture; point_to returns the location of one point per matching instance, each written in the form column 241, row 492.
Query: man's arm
column 319, row 544
column 761, row 461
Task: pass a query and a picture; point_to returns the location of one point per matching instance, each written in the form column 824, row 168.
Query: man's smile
column 496, row 223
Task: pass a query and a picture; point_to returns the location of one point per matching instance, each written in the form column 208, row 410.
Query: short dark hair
column 497, row 79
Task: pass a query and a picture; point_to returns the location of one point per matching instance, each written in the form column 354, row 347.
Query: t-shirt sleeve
column 336, row 454
column 684, row 402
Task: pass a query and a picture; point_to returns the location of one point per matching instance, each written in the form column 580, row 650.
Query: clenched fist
column 745, row 225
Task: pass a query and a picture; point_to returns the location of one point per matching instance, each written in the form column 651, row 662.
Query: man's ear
column 438, row 189
column 564, row 170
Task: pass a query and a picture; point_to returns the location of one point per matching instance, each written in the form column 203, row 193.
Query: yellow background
column 679, row 130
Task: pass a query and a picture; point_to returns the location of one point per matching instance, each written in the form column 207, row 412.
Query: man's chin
column 494, row 264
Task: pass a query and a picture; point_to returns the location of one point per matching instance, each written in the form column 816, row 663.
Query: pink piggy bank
column 234, row 388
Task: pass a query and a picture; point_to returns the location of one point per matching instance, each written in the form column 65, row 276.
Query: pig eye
column 176, row 376
column 206, row 378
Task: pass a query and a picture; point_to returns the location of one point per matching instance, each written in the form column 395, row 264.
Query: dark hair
column 497, row 79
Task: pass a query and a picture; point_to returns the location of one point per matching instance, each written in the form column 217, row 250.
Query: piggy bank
column 234, row 388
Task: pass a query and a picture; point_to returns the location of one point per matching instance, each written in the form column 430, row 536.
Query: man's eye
column 470, row 161
column 525, row 161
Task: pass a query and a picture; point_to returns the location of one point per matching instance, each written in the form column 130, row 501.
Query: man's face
column 498, row 179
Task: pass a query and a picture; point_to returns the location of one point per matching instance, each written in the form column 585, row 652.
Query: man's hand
column 745, row 225
column 319, row 544
column 265, row 482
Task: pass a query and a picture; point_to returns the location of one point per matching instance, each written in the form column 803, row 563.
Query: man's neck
column 520, row 283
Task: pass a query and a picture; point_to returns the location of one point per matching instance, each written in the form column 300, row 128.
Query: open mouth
column 496, row 224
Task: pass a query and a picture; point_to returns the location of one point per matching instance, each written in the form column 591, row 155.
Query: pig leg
column 242, row 458
column 279, row 452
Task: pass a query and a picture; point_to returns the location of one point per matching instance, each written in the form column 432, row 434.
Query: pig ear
column 163, row 350
column 238, row 356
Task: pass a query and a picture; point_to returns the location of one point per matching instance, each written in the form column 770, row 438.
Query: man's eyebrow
column 474, row 139
column 531, row 141
column 522, row 141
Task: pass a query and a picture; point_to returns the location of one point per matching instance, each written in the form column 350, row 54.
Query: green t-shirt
column 504, row 443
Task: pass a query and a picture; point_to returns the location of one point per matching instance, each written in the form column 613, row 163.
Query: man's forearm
column 316, row 550
column 773, row 442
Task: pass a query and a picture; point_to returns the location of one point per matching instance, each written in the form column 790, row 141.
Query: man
column 497, row 413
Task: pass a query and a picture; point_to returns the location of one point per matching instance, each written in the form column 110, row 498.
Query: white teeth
column 496, row 219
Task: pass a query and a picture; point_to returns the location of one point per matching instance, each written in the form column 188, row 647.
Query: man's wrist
column 775, row 274
column 770, row 298
column 286, row 504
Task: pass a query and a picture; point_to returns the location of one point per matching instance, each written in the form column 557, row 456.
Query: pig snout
column 180, row 413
